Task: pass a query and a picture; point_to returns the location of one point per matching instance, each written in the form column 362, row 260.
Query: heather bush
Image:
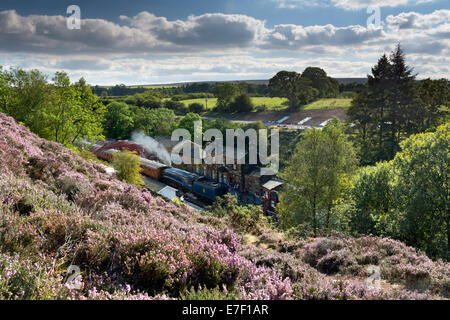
column 265, row 284
column 209, row 294
column 319, row 248
column 22, row 278
column 334, row 261
column 398, row 263
column 284, row 263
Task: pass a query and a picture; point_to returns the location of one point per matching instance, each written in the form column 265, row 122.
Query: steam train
column 204, row 189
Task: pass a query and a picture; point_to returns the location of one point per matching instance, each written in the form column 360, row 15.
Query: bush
column 177, row 107
column 243, row 218
column 197, row 108
column 334, row 261
column 128, row 167
column 209, row 294
column 24, row 279
column 242, row 103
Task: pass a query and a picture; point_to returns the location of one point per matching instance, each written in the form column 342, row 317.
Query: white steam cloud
column 152, row 146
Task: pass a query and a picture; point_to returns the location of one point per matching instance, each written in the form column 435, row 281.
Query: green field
column 281, row 103
column 153, row 87
column 270, row 103
column 331, row 103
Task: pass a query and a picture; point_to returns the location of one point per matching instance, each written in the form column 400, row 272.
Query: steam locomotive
column 187, row 182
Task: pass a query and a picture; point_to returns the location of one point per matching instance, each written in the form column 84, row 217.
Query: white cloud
column 413, row 20
column 347, row 4
column 294, row 36
column 150, row 49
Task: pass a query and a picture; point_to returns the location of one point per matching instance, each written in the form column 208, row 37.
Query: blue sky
column 141, row 42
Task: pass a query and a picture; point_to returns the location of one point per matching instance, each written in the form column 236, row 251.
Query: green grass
column 153, row 87
column 270, row 103
column 331, row 103
column 212, row 102
column 280, row 103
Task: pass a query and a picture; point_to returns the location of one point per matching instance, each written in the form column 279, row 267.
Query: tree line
column 121, row 90
column 394, row 106
column 60, row 111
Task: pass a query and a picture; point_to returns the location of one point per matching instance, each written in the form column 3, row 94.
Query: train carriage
column 107, row 154
column 152, row 169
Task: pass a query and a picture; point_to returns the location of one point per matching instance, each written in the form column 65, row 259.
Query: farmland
column 328, row 104
column 278, row 104
column 271, row 103
column 162, row 86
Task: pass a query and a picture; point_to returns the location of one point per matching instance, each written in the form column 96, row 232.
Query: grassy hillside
column 57, row 210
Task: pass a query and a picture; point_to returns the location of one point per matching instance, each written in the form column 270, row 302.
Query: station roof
column 272, row 184
column 152, row 164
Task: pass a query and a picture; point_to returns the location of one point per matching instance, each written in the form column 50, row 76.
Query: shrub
column 24, row 279
column 128, row 167
column 334, row 261
column 209, row 294
column 197, row 108
column 242, row 103
column 243, row 218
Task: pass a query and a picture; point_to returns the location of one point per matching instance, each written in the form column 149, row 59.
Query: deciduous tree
column 315, row 177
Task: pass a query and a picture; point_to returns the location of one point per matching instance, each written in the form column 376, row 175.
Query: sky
column 139, row 42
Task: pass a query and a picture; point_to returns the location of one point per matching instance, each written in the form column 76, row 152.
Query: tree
column 5, row 91
column 188, row 123
column 373, row 196
column 64, row 104
column 316, row 177
column 61, row 111
column 306, row 93
column 154, row 122
column 327, row 87
column 176, row 106
column 88, row 122
column 29, row 95
column 128, row 167
column 433, row 103
column 292, row 86
column 118, row 122
column 383, row 114
column 196, row 107
column 407, row 198
column 225, row 92
column 422, row 169
column 286, row 84
column 242, row 103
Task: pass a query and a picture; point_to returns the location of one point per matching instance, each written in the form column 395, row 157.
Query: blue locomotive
column 204, row 188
